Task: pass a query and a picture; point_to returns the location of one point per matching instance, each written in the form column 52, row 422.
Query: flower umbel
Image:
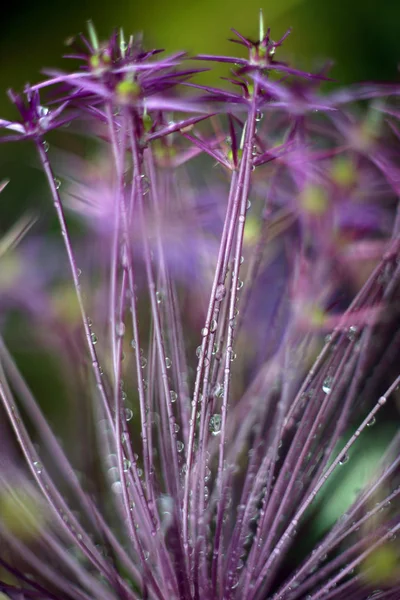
column 226, row 326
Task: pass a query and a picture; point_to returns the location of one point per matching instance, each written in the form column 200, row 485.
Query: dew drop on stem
column 215, row 424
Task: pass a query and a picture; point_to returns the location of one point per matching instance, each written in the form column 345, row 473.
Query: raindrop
column 159, row 297
column 127, row 464
column 207, row 474
column 146, row 555
column 231, row 354
column 213, row 325
column 382, row 400
column 173, row 396
column 352, row 332
column 371, row 422
column 168, row 362
column 143, row 362
column 94, row 338
column 57, row 183
column 219, row 390
column 204, row 331
column 344, row 459
column 38, row 467
column 239, row 284
column 117, row 487
column 180, row 446
column 46, row 146
column 220, row 292
column 327, row 385
column 198, row 351
column 120, row 329
column 145, row 185
column 215, row 424
column 259, row 116
column 128, row 414
column 43, row 111
column 133, row 344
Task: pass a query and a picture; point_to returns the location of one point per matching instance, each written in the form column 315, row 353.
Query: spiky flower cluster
column 229, row 337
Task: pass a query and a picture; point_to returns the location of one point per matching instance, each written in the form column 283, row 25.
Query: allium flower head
column 231, row 339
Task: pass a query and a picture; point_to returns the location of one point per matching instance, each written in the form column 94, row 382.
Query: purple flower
column 232, row 337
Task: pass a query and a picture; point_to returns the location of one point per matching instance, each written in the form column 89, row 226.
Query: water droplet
column 38, row 467
column 180, row 446
column 259, row 116
column 204, row 331
column 215, row 424
column 159, row 297
column 220, row 292
column 43, row 111
column 94, row 338
column 371, row 422
column 143, row 361
column 46, row 146
column 116, row 487
column 327, row 385
column 352, row 333
column 239, row 284
column 382, row 400
column 120, row 329
column 145, row 185
column 248, row 205
column 219, row 390
column 213, row 325
column 344, row 459
column 173, row 396
column 146, row 555
column 168, row 362
column 133, row 344
column 128, row 414
column 176, row 427
column 231, row 354
column 57, row 183
column 207, row 474
column 127, row 464
column 198, row 351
